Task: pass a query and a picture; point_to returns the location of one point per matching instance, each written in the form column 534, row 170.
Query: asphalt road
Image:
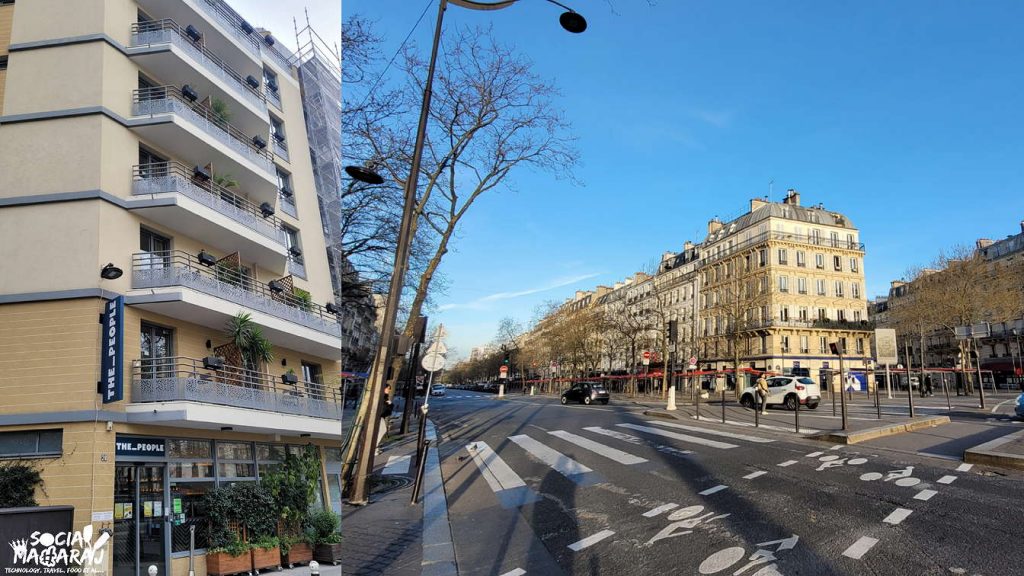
column 538, row 488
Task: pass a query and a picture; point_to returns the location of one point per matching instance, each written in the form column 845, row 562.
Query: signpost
column 647, row 358
column 885, row 353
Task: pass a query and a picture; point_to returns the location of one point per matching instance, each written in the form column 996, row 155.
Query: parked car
column 1019, row 406
column 437, row 390
column 787, row 391
column 587, row 393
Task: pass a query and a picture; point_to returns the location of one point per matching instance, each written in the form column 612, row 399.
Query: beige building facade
column 163, row 139
column 781, row 283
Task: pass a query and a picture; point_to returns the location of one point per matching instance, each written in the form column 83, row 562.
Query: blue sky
column 906, row 116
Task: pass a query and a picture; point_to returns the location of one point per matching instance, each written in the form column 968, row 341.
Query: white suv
column 785, row 390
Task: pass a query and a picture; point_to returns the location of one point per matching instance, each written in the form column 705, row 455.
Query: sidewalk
column 389, row 535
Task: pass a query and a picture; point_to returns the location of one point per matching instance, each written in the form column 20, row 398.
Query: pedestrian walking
column 385, row 415
column 927, row 390
column 762, row 392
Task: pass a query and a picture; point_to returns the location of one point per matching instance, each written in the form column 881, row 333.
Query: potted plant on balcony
column 227, row 551
column 290, row 377
column 325, row 536
column 304, row 298
column 292, row 485
column 221, row 110
column 248, row 338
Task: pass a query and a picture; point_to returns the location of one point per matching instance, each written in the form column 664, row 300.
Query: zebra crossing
column 607, row 446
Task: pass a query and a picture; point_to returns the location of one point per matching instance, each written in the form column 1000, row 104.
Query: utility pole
column 837, row 348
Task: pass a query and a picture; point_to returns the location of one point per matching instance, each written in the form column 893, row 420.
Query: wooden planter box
column 266, row 558
column 300, row 553
column 328, row 553
column 222, row 564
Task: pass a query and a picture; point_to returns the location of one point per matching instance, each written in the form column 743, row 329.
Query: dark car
column 587, row 393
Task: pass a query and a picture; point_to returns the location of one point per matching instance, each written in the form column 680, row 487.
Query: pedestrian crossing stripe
column 598, row 448
column 747, row 437
column 682, row 437
column 503, row 481
column 638, row 441
column 561, row 463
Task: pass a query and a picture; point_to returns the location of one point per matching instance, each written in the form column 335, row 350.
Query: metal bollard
column 314, row 568
column 878, row 402
column 671, row 399
column 723, row 405
column 697, row 404
column 419, row 473
column 152, row 570
column 796, row 417
column 757, row 412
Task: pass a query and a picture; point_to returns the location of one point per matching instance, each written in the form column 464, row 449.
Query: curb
column 438, row 545
column 988, row 454
column 657, row 414
column 858, row 436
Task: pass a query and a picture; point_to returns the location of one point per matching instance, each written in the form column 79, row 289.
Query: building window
column 801, row 285
column 841, row 315
column 860, row 345
column 850, row 242
column 277, row 130
column 783, row 256
column 834, row 236
column 816, row 236
column 855, row 290
column 783, row 283
column 785, row 343
column 270, row 80
column 31, row 443
column 839, row 289
column 801, row 258
column 822, row 314
column 284, row 186
column 3, row 59
column 784, row 313
column 837, row 262
column 843, row 342
column 156, row 356
column 821, row 287
column 856, row 316
column 819, row 261
column 762, row 257
column 804, row 349
column 853, row 264
column 822, row 344
column 314, row 375
column 802, row 313
column 235, row 461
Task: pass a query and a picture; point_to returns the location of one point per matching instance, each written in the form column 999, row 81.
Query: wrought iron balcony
column 218, row 11
column 170, row 100
column 187, row 379
column 167, row 31
column 786, row 237
column 228, row 282
column 162, row 177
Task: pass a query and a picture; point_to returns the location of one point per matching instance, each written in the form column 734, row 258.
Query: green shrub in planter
column 233, row 546
column 265, row 542
column 324, row 528
column 18, row 481
column 252, row 506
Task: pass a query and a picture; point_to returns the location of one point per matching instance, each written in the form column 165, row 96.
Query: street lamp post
column 359, row 493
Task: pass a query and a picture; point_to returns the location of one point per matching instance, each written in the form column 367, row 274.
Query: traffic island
column 661, row 414
column 1005, row 452
column 858, row 436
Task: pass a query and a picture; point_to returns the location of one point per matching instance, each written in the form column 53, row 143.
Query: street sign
column 982, row 330
column 439, row 333
column 647, row 358
column 503, row 371
column 437, row 346
column 432, row 362
column 693, row 359
column 885, row 346
column 796, row 364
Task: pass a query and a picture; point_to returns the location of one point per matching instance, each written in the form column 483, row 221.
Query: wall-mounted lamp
column 111, row 272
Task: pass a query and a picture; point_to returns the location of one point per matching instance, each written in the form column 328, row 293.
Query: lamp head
column 364, row 175
column 111, row 272
column 572, row 22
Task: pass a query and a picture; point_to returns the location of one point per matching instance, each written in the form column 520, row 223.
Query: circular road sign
column 433, row 362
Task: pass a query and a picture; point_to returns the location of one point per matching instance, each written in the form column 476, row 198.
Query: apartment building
column 779, row 284
column 155, row 174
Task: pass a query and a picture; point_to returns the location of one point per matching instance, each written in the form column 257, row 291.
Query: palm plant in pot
column 253, row 347
column 324, row 533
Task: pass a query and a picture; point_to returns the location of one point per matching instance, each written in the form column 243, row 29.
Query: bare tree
column 509, row 339
column 738, row 299
column 490, row 115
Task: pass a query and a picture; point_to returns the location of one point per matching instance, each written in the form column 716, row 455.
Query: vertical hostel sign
column 112, row 351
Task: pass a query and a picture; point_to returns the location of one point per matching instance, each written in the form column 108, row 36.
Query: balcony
column 274, row 97
column 180, row 378
column 193, row 132
column 826, row 324
column 288, row 206
column 177, row 284
column 281, row 149
column 786, row 237
column 275, row 56
column 297, row 268
column 220, row 26
column 165, row 49
column 172, row 194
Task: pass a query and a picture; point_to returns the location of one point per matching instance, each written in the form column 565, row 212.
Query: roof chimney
column 1022, row 226
column 983, row 243
column 792, row 197
column 714, row 225
column 689, row 245
column 756, row 203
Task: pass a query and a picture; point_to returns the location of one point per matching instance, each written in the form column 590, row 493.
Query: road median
column 1005, row 452
column 857, row 436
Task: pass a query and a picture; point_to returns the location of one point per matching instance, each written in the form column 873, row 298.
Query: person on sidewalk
column 927, row 389
column 762, row 392
column 385, row 415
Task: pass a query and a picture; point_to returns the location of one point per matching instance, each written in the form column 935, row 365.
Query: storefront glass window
column 187, row 510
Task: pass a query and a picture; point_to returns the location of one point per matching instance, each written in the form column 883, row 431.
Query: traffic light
column 673, row 330
column 837, row 348
column 505, row 360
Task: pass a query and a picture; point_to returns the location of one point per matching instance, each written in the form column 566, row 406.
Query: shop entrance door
column 140, row 519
